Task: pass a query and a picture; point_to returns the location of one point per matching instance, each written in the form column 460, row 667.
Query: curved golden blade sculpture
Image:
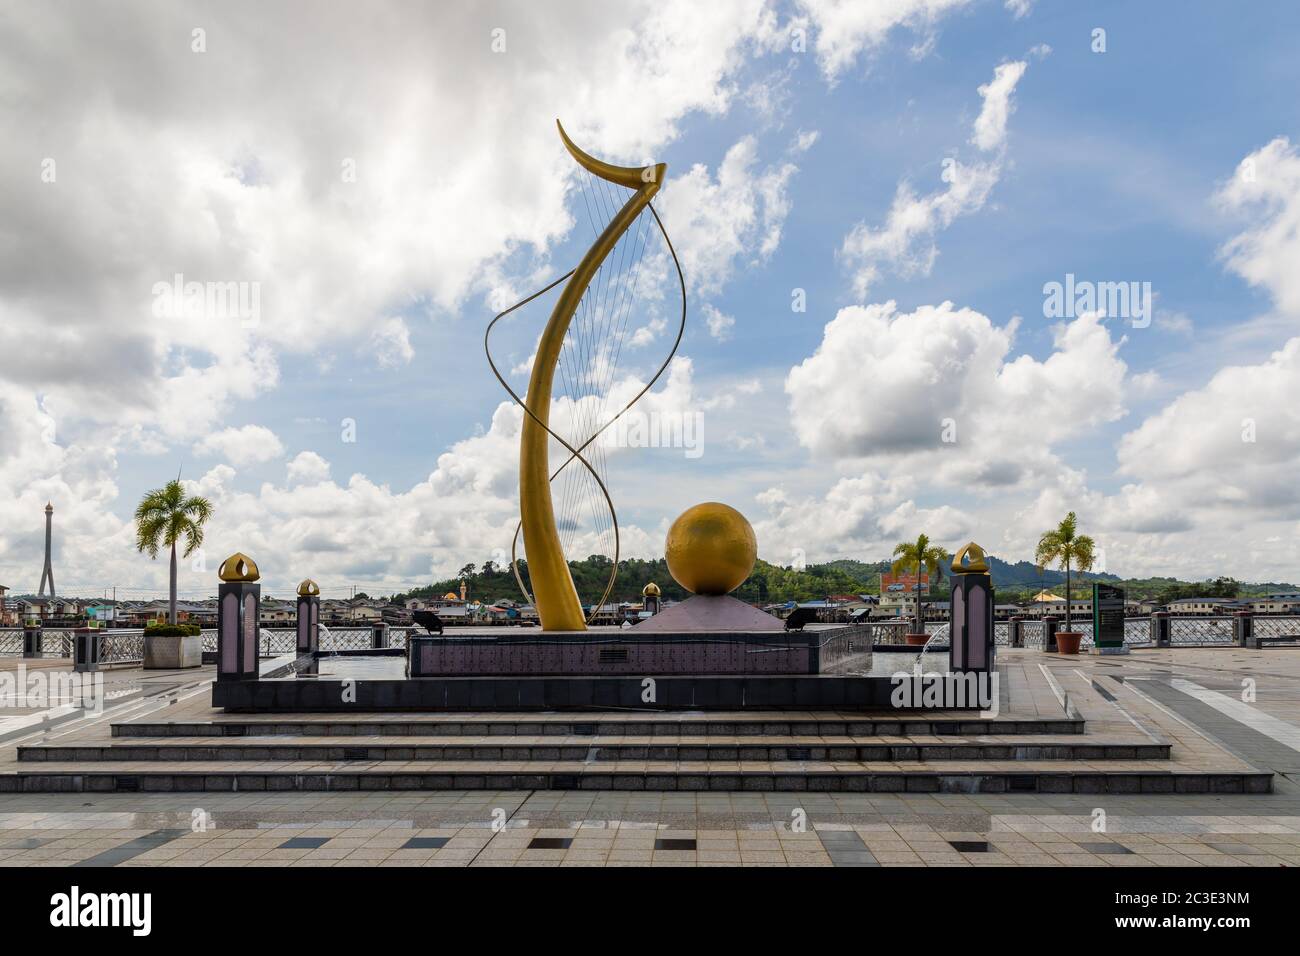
column 554, row 594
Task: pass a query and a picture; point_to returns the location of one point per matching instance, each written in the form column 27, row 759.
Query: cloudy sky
column 869, row 200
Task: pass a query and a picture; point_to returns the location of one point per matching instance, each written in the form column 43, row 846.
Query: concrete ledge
column 671, row 693
column 597, row 725
column 594, row 752
column 1126, row 782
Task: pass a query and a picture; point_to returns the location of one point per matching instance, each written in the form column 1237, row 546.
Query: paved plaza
column 1190, row 698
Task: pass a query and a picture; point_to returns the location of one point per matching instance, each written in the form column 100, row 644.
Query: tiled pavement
column 457, row 829
column 1150, row 692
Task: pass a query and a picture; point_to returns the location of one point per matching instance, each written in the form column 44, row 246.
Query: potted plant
column 172, row 646
column 1068, row 549
column 915, row 557
column 164, row 517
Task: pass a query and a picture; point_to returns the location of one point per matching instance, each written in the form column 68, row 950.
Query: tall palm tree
column 912, row 557
column 165, row 516
column 1066, row 548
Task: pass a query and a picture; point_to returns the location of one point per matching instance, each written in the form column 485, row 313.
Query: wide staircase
column 946, row 752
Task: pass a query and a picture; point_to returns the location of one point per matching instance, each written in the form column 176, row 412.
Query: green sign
column 1107, row 615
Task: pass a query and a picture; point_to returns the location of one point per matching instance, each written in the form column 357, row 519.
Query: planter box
column 173, row 653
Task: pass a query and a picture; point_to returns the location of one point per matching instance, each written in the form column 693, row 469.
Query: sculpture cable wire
column 583, row 341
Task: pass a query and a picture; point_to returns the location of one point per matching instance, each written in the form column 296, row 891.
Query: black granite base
column 811, row 692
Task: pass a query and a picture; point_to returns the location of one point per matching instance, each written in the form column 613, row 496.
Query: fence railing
column 1276, row 626
column 1200, row 630
column 55, row 642
column 11, row 642
column 121, row 647
column 124, row 646
column 274, row 642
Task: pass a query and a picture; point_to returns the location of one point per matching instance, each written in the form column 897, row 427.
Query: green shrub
column 172, row 630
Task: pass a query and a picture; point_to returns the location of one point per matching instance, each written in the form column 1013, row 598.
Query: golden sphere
column 711, row 548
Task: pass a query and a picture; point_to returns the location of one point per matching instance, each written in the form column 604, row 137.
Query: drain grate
column 1105, row 848
column 425, row 843
column 584, row 730
column 303, row 843
column 1023, row 784
column 354, row 753
column 970, row 846
column 797, row 753
column 550, row 843
column 675, row 844
column 613, row 655
column 126, row 784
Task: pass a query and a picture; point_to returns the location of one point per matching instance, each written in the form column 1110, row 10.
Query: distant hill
column 1005, row 575
column 770, row 583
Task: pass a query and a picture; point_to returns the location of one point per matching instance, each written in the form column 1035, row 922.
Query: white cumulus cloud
column 241, row 446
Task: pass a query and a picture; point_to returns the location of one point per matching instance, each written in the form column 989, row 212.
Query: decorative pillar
column 1243, row 629
column 970, row 612
column 85, row 649
column 1160, row 628
column 308, row 617
column 238, row 598
column 379, row 636
column 1049, row 633
column 651, row 596
column 32, row 639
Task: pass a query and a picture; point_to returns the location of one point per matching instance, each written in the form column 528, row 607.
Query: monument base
column 638, row 651
column 819, row 692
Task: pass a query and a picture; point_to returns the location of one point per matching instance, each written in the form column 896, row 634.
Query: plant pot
column 172, row 652
column 1067, row 642
column 916, row 639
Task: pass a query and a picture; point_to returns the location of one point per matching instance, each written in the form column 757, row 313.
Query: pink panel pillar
column 237, row 605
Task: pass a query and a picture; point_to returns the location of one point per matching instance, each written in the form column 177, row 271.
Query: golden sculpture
column 711, row 548
column 239, row 567
column 553, row 592
column 970, row 560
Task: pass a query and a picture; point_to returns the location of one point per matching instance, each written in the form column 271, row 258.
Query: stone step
column 1027, row 777
column 605, row 724
column 834, row 749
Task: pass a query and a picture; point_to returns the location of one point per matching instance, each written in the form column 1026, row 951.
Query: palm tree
column 1065, row 547
column 165, row 516
column 913, row 557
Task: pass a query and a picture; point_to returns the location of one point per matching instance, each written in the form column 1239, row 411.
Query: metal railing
column 11, row 642
column 274, row 642
column 121, row 647
column 1276, row 626
column 1195, row 631
column 1031, row 633
column 55, row 642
